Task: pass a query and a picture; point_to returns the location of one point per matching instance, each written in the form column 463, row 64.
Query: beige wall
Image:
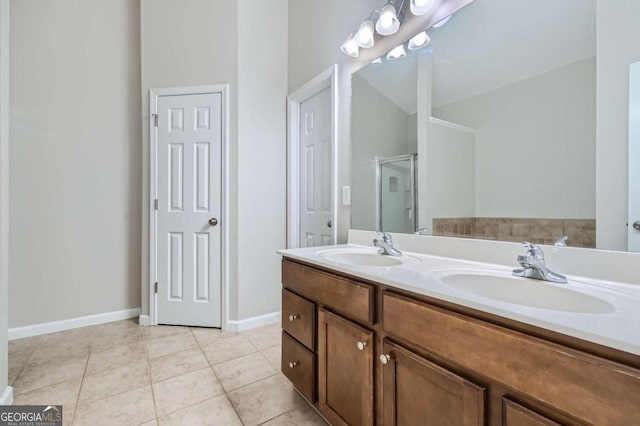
column 4, row 191
column 535, row 138
column 262, row 91
column 75, row 159
column 618, row 32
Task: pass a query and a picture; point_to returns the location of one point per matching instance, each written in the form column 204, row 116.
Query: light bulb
column 388, row 22
column 420, row 7
column 350, row 47
column 364, row 35
column 396, row 52
column 418, row 41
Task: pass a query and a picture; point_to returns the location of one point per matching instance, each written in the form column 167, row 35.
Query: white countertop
column 617, row 327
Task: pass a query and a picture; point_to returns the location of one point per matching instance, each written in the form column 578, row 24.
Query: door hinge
column 155, row 287
column 155, row 120
column 155, row 204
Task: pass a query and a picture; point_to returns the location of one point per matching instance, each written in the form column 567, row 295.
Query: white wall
column 618, row 32
column 4, row 193
column 75, row 159
column 450, row 162
column 262, row 91
column 535, row 138
column 379, row 128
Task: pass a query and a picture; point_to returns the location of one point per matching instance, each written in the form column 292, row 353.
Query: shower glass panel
column 397, row 200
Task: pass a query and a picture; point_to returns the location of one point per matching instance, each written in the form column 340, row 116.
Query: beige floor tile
column 264, row 337
column 228, row 348
column 182, row 391
column 113, row 382
column 206, row 335
column 274, row 356
column 59, row 351
column 265, row 400
column 111, row 327
column 38, row 376
column 176, row 364
column 299, row 417
column 115, row 357
column 157, row 331
column 74, row 335
column 130, row 408
column 170, row 344
column 64, row 394
column 217, row 411
column 153, row 422
column 17, row 360
column 105, row 341
column 242, row 371
column 28, row 344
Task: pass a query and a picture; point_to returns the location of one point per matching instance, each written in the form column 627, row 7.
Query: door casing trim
column 154, row 94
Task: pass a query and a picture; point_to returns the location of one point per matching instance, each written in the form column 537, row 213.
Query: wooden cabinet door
column 515, row 414
column 345, row 371
column 421, row 393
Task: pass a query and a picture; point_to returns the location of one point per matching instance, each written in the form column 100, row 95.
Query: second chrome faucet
column 385, row 245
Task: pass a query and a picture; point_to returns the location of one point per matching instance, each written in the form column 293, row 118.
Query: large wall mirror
column 498, row 113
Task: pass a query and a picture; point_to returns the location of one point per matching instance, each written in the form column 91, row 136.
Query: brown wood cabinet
column 345, row 370
column 365, row 353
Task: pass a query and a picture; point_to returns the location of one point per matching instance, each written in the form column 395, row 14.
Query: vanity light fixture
column 350, row 47
column 365, row 35
column 396, row 53
column 388, row 22
column 420, row 7
column 418, row 41
column 442, row 22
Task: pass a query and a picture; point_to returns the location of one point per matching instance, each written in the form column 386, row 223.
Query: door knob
column 385, row 358
column 293, row 317
column 293, row 364
column 636, row 225
column 213, row 221
column 361, row 346
column 329, row 224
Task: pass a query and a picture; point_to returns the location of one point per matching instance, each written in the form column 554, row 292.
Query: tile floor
column 123, row 374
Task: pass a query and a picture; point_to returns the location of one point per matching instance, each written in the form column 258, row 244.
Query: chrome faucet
column 533, row 266
column 385, row 246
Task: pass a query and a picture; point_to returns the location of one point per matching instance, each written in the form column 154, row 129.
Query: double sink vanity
column 419, row 339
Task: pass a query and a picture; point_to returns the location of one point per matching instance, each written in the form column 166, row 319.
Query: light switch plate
column 346, row 195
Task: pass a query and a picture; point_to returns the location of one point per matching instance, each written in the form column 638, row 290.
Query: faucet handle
column 561, row 242
column 385, row 237
column 533, row 250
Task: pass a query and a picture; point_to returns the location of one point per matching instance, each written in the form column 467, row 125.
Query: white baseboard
column 7, row 396
column 52, row 327
column 144, row 320
column 253, row 322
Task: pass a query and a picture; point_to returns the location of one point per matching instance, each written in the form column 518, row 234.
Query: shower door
column 396, row 194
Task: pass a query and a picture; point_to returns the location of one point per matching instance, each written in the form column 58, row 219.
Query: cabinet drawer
column 299, row 366
column 517, row 415
column 586, row 387
column 299, row 318
column 352, row 298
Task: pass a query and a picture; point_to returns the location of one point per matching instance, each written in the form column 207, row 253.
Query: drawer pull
column 385, row 358
column 293, row 317
column 293, row 364
column 362, row 345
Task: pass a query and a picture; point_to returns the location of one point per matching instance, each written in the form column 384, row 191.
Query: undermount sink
column 526, row 292
column 361, row 258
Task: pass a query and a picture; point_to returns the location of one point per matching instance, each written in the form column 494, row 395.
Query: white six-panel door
column 189, row 147
column 315, row 171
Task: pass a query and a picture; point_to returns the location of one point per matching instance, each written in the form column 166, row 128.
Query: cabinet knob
column 293, row 317
column 362, row 345
column 385, row 358
column 293, row 364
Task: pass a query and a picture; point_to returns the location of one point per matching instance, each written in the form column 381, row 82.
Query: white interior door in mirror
column 634, row 157
column 316, row 228
column 189, row 233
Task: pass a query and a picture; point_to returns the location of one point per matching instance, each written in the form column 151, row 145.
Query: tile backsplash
column 581, row 232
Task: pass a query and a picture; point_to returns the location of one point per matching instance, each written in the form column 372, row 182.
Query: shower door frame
column 380, row 161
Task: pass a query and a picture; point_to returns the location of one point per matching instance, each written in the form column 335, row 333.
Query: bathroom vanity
column 369, row 341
